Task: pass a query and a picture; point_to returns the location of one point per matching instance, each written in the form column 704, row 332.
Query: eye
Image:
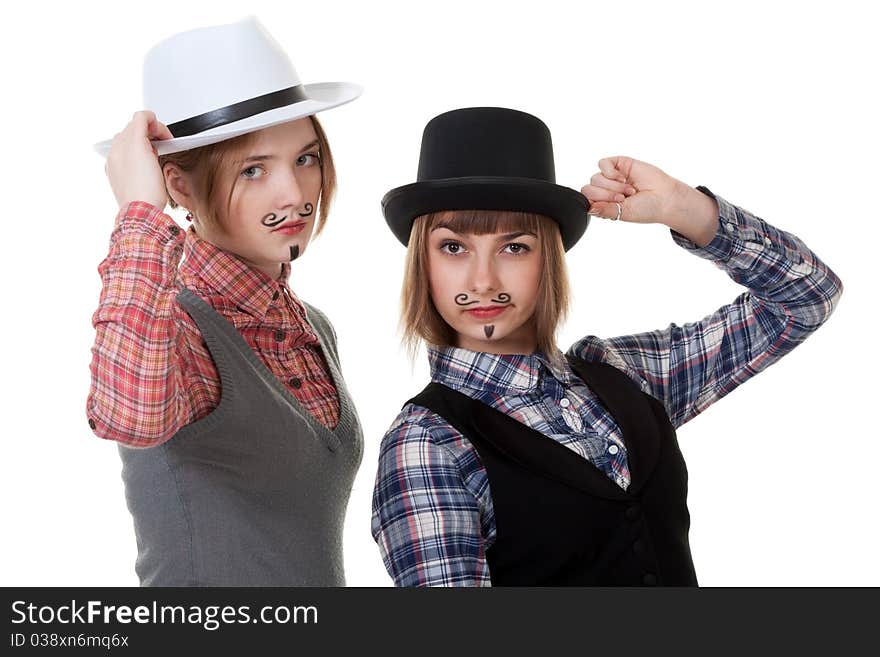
column 517, row 248
column 308, row 159
column 251, row 172
column 452, row 247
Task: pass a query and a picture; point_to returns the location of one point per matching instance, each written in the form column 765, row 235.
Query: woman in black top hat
column 518, row 465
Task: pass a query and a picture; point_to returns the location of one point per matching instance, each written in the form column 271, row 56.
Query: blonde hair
column 419, row 318
column 211, row 166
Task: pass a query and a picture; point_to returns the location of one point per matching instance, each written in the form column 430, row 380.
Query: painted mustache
column 271, row 220
column 464, row 300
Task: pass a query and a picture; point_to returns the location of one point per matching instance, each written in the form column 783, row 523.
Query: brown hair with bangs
column 419, row 319
column 210, row 169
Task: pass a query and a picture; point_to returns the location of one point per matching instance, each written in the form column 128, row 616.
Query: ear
column 178, row 184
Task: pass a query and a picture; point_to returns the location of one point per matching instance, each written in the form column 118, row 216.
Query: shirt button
column 564, row 402
column 279, row 335
column 728, row 228
column 174, row 230
column 767, row 242
column 613, row 449
column 91, row 424
column 294, row 382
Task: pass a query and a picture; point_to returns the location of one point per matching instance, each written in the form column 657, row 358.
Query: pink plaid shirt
column 151, row 370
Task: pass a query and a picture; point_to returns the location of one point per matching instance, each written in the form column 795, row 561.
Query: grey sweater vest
column 253, row 494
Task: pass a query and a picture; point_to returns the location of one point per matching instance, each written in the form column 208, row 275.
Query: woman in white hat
column 238, row 438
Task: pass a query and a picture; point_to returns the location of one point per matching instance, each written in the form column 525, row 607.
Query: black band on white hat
column 237, row 111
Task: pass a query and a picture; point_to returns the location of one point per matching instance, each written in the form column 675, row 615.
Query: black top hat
column 487, row 158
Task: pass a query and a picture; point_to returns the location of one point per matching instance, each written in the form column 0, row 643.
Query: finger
column 145, row 125
column 594, row 194
column 142, row 123
column 600, row 180
column 607, row 210
column 158, row 130
column 609, row 167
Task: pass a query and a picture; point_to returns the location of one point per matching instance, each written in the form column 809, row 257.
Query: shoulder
column 315, row 314
column 421, row 453
column 417, row 425
column 594, row 349
column 319, row 321
column 419, row 436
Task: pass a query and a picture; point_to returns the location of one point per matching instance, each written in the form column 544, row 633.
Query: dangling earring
column 189, row 216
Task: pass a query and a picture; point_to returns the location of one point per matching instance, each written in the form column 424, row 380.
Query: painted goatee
column 489, row 330
column 294, row 252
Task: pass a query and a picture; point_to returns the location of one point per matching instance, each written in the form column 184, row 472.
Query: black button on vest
column 560, row 521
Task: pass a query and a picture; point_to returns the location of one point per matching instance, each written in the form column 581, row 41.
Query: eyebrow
column 501, row 238
column 513, row 236
column 254, row 158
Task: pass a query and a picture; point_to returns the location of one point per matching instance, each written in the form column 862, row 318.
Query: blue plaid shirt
column 432, row 509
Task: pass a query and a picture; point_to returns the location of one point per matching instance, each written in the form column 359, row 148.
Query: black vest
column 560, row 521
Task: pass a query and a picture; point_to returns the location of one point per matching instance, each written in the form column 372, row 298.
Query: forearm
column 791, row 292
column 137, row 394
column 777, row 267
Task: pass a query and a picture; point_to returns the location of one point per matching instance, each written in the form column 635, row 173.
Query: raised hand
column 132, row 165
column 647, row 194
column 644, row 191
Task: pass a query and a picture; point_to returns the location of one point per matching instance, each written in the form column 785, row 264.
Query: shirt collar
column 499, row 373
column 248, row 288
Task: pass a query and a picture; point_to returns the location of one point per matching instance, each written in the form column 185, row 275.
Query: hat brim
column 321, row 96
column 563, row 204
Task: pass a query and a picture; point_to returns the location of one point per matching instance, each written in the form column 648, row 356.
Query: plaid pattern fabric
column 432, row 508
column 151, row 370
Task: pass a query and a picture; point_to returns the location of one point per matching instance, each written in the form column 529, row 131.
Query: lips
column 290, row 228
column 486, row 312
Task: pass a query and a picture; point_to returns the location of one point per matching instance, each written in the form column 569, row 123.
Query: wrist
column 692, row 213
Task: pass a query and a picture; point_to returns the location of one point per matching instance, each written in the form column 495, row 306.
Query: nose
column 287, row 192
column 483, row 275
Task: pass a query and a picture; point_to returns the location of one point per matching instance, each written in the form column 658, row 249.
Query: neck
column 273, row 271
column 217, row 238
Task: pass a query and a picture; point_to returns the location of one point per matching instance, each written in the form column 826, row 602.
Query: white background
column 769, row 104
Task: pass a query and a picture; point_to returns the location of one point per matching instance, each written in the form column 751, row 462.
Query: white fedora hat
column 215, row 83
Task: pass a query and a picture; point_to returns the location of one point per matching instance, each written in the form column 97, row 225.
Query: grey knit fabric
column 255, row 493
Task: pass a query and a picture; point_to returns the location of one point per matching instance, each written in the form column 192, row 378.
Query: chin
column 478, row 335
column 298, row 245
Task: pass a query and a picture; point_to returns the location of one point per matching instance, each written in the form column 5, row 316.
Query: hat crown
column 486, row 141
column 201, row 70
